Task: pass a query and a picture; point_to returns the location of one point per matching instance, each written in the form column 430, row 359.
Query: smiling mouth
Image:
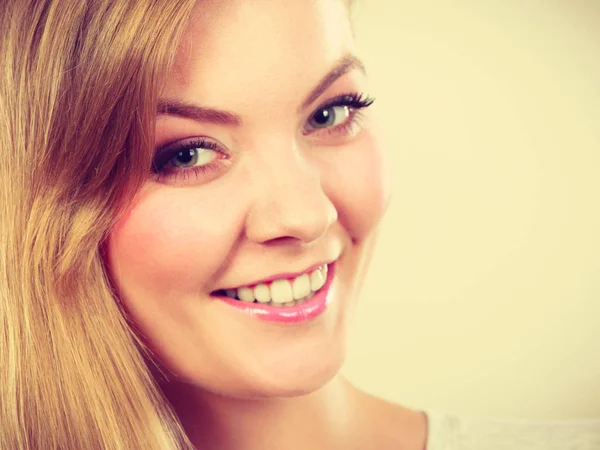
column 282, row 292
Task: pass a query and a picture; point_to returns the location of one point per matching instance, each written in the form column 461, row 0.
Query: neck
column 327, row 418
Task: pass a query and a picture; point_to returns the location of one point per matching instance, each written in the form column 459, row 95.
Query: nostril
column 283, row 240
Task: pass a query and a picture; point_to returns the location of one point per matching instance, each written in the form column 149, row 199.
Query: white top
column 454, row 432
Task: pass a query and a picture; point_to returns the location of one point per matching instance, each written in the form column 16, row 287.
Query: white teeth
column 301, row 286
column 281, row 292
column 262, row 293
column 317, row 280
column 245, row 294
column 303, row 299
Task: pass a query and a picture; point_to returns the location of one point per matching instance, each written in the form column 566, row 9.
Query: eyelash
column 354, row 101
column 162, row 168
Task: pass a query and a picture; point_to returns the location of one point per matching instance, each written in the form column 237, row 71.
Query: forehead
column 233, row 50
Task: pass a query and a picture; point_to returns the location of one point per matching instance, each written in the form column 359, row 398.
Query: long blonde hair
column 79, row 81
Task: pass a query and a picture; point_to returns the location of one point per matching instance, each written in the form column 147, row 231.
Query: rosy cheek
column 168, row 243
column 359, row 185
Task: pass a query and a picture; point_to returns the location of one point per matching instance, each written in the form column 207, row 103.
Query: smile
column 283, row 292
column 284, row 300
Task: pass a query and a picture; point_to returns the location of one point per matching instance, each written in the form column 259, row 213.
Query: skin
column 281, row 201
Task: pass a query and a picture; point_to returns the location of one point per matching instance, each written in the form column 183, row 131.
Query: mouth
column 289, row 300
column 280, row 292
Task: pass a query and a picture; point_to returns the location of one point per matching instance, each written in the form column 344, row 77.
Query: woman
column 261, row 175
column 190, row 197
column 242, row 255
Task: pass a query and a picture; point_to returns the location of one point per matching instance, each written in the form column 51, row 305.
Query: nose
column 289, row 203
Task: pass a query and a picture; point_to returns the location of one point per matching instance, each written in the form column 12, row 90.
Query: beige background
column 484, row 294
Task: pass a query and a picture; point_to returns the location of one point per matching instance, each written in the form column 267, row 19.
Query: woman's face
column 267, row 166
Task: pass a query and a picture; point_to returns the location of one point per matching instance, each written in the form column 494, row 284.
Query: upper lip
column 286, row 275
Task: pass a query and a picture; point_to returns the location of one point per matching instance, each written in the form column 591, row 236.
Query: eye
column 196, row 152
column 329, row 116
column 204, row 158
column 191, row 157
column 339, row 116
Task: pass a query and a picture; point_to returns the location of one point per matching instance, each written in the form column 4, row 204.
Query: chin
column 295, row 387
column 294, row 380
column 305, row 384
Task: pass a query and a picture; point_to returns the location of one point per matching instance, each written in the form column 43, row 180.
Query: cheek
column 358, row 182
column 167, row 242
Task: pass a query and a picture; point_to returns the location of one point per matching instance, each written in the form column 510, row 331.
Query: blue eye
column 329, row 117
column 191, row 157
column 191, row 161
column 185, row 158
column 337, row 112
column 182, row 155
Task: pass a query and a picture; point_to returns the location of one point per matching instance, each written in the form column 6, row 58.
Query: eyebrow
column 346, row 64
column 179, row 108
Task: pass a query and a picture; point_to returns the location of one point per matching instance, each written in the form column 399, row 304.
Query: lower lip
column 287, row 314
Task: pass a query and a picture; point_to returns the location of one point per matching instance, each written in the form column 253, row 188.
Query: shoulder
column 454, row 432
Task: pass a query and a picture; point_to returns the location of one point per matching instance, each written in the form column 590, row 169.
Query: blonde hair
column 78, row 87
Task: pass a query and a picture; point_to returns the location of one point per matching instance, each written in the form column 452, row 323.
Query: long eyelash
column 353, row 100
column 165, row 154
column 183, row 175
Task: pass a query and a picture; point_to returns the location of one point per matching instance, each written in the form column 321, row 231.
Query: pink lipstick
column 307, row 310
